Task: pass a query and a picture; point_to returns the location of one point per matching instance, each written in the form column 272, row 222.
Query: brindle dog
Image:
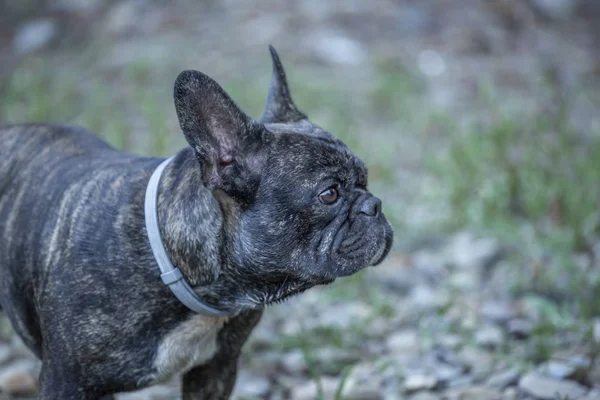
column 251, row 213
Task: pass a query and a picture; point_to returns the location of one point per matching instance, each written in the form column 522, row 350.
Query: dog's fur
column 240, row 214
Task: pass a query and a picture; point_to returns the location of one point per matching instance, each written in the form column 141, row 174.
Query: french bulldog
column 250, row 213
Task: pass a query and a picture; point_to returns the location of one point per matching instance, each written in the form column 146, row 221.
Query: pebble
column 596, row 331
column 503, row 379
column 310, row 391
column 19, row 378
column 575, row 369
column 6, row 353
column 332, row 361
column 403, row 341
column 556, row 9
column 424, row 297
column 418, row 382
column 549, row 389
column 557, row 370
column 446, row 373
column 293, row 361
column 122, row 17
column 520, row 328
column 489, row 336
column 364, row 381
column 340, row 50
column 473, row 393
column 497, row 311
column 478, row 361
column 466, row 251
column 34, row 35
column 511, row 393
column 424, row 396
column 450, row 341
column 250, row 385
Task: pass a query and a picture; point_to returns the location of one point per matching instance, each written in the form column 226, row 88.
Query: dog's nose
column 371, row 206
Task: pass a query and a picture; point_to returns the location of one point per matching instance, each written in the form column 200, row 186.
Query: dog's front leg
column 215, row 379
column 212, row 381
column 55, row 385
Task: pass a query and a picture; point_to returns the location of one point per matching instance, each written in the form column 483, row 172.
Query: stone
column 549, row 389
column 450, row 341
column 425, row 297
column 346, row 315
column 340, row 50
column 594, row 394
column 332, row 360
column 6, row 353
column 294, row 362
column 425, row 396
column 558, row 370
column 122, row 17
column 497, row 311
column 466, row 251
column 34, row 35
column 464, row 280
column 479, row 362
column 310, row 391
column 431, row 63
column 447, row 373
column 489, row 336
column 264, row 338
column 511, row 393
column 248, row 385
column 461, row 382
column 417, row 382
column 449, row 357
column 520, row 328
column 473, row 393
column 19, row 378
column 556, row 9
column 503, row 379
column 78, row 6
column 405, row 341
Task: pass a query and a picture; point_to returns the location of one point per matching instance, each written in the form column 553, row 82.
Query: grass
column 532, row 180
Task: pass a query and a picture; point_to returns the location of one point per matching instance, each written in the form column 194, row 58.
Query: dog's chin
column 284, row 295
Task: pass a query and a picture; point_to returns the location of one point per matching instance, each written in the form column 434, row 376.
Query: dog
column 250, row 213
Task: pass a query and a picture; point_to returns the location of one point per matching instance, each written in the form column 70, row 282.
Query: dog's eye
column 329, row 196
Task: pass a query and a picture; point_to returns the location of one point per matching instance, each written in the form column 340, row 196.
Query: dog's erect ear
column 212, row 123
column 279, row 107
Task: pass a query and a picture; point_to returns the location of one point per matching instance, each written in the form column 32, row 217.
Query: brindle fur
column 238, row 216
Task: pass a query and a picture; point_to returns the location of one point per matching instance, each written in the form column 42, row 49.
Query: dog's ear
column 212, row 123
column 279, row 107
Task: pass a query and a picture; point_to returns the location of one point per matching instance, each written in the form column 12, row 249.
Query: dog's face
column 295, row 200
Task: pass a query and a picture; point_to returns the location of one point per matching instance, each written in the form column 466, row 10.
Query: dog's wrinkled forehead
column 307, row 149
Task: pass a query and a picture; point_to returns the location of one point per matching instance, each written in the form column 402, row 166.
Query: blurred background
column 479, row 121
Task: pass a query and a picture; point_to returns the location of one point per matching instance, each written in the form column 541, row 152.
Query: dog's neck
column 190, row 220
column 192, row 226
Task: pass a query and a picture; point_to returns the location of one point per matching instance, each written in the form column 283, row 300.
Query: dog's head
column 295, row 201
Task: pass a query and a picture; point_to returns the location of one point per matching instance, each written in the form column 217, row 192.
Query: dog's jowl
column 117, row 281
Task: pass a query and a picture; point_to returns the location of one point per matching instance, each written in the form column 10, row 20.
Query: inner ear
column 212, row 123
column 210, row 120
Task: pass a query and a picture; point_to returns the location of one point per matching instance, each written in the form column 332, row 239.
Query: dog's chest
column 191, row 343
